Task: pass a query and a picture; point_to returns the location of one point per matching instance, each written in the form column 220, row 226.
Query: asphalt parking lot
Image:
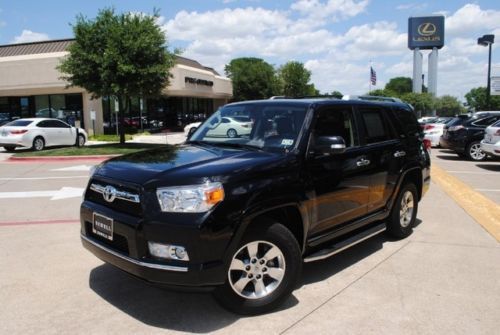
column 443, row 279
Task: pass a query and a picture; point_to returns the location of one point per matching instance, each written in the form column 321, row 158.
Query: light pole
column 487, row 40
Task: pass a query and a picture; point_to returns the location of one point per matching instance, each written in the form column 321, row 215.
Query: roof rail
column 371, row 98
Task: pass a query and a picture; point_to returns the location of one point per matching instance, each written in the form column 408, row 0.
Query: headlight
column 190, row 199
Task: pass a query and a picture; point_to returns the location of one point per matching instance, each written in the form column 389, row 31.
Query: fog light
column 168, row 251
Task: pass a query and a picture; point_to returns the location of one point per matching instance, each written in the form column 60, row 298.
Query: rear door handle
column 363, row 162
column 400, row 154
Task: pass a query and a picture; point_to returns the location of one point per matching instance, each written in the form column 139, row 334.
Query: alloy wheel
column 476, row 152
column 256, row 270
column 39, row 144
column 406, row 209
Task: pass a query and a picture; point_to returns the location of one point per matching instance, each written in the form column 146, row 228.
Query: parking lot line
column 473, row 172
column 24, row 223
column 487, row 190
column 482, row 209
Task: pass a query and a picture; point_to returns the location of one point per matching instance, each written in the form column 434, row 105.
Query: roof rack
column 371, row 98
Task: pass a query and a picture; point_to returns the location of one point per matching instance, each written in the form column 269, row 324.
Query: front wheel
column 263, row 272
column 404, row 212
column 474, row 152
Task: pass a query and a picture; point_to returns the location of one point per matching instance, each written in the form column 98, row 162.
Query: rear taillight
column 427, row 144
column 497, row 133
column 18, row 132
column 455, row 128
column 429, row 127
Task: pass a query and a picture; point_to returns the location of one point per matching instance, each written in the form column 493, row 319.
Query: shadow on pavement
column 158, row 307
column 451, row 157
column 199, row 312
column 489, row 167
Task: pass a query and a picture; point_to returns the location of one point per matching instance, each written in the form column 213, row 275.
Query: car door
column 65, row 133
column 386, row 153
column 340, row 182
column 48, row 131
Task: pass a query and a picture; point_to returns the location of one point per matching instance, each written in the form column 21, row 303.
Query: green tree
column 400, row 85
column 476, row 99
column 118, row 55
column 294, row 78
column 447, row 105
column 383, row 93
column 336, row 94
column 423, row 103
column 252, row 78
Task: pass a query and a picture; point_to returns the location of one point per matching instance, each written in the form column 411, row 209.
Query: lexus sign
column 426, row 32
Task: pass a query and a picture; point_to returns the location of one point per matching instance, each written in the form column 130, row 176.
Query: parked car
column 240, row 214
column 229, row 126
column 464, row 137
column 434, row 130
column 190, row 128
column 38, row 133
column 491, row 142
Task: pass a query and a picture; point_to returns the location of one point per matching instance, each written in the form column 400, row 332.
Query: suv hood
column 185, row 164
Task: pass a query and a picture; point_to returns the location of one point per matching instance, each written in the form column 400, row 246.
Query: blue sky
column 335, row 39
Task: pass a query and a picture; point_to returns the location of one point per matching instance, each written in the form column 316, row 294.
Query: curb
column 60, row 158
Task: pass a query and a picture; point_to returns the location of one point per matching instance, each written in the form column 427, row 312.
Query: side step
column 336, row 248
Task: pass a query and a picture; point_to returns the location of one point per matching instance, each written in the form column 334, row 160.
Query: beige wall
column 37, row 74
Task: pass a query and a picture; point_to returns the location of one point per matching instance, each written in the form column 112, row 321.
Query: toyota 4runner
column 239, row 211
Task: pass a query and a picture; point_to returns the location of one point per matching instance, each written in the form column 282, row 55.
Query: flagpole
column 370, row 79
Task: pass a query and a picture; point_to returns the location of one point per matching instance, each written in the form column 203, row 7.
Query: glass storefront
column 66, row 107
column 170, row 113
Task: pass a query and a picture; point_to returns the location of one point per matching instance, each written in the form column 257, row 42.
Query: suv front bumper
column 128, row 251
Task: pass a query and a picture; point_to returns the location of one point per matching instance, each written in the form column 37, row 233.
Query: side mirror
column 329, row 145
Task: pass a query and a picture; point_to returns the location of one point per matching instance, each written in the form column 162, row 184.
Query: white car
column 187, row 129
column 38, row 133
column 491, row 142
column 434, row 130
column 231, row 126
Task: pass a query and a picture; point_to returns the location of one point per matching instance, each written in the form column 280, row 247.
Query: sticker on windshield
column 286, row 142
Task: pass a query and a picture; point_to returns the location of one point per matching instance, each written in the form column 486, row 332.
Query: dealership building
column 30, row 86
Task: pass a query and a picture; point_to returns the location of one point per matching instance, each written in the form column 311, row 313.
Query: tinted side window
column 485, row 122
column 375, row 128
column 408, row 121
column 43, row 124
column 58, row 124
column 337, row 121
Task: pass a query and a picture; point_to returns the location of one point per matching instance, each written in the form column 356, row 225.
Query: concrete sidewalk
column 441, row 280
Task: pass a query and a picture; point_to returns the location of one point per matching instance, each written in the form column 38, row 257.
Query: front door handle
column 400, row 154
column 363, row 162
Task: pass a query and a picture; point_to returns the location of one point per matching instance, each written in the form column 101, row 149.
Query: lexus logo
column 427, row 29
column 109, row 193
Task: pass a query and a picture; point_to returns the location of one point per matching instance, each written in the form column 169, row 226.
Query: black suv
column 303, row 180
column 464, row 135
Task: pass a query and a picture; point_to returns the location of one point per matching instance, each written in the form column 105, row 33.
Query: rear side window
column 375, row 127
column 19, row 123
column 485, row 122
column 408, row 121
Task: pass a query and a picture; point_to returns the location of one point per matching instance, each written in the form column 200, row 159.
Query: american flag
column 373, row 76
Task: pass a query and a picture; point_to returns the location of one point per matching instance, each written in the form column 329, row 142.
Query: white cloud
column 30, row 36
column 415, row 6
column 334, row 9
column 471, row 20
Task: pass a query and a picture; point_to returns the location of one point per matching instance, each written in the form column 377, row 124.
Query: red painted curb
column 25, row 223
column 60, row 158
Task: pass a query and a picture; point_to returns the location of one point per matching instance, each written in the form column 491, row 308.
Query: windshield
column 264, row 126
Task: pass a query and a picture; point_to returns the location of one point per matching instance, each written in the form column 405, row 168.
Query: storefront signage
column 197, row 81
column 426, row 32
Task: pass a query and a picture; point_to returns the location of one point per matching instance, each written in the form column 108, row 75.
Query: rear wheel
column 232, row 133
column 9, row 149
column 474, row 152
column 38, row 144
column 263, row 272
column 404, row 212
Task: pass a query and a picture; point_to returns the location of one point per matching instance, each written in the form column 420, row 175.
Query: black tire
column 9, row 149
column 38, row 144
column 398, row 226
column 232, row 133
column 280, row 237
column 474, row 152
column 81, row 140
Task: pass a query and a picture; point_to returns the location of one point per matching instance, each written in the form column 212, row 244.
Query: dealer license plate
column 4, row 133
column 103, row 226
column 488, row 138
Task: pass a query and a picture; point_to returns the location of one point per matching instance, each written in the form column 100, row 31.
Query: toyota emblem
column 109, row 193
